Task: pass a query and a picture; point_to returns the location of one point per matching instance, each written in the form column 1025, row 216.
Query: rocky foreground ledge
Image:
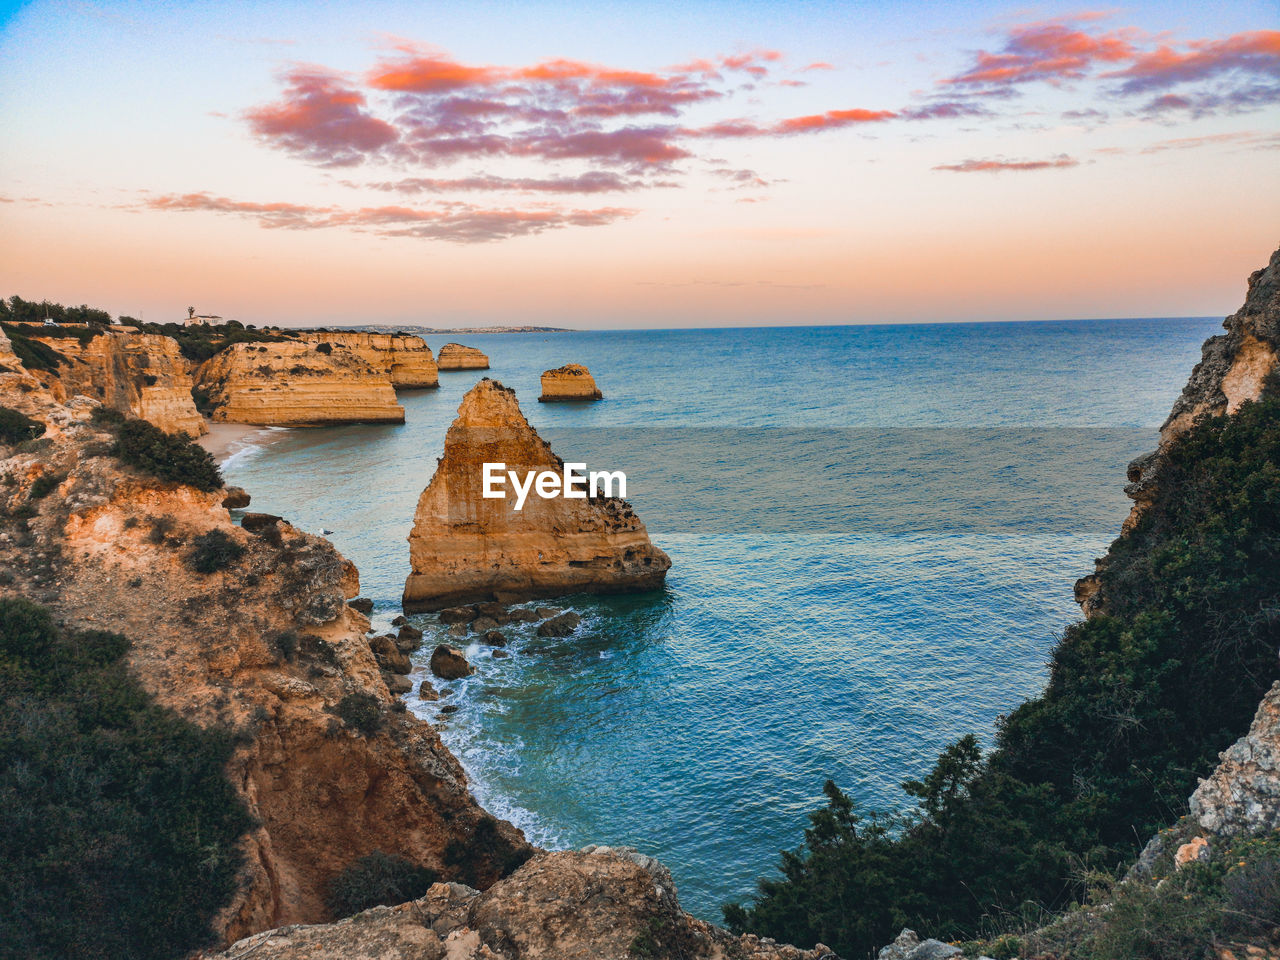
column 600, row 903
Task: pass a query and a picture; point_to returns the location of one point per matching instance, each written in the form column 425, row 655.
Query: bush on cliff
column 214, row 551
column 33, row 354
column 1139, row 701
column 172, row 457
column 16, row 427
column 376, row 880
column 119, row 830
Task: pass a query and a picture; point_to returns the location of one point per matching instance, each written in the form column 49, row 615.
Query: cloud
column 1202, row 104
column 321, row 119
column 454, row 222
column 594, row 181
column 1248, row 139
column 419, row 106
column 1046, row 51
column 999, row 166
column 1252, row 54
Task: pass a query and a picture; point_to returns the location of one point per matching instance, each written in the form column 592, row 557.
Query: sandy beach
column 224, row 439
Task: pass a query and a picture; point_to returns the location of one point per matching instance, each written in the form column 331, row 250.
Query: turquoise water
column 873, row 531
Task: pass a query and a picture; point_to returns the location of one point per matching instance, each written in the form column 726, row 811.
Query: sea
column 873, row 530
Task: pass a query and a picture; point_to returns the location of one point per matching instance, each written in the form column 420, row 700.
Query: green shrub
column 214, row 551
column 16, row 427
column 33, row 354
column 1140, row 699
column 119, row 830
column 172, row 457
column 285, row 644
column 376, row 880
column 362, row 712
column 107, row 416
column 45, row 484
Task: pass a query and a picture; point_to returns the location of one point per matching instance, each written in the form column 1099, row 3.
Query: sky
column 638, row 164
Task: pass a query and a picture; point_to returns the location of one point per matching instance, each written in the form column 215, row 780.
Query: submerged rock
column 560, row 626
column 458, row 614
column 466, row 547
column 449, row 663
column 573, row 381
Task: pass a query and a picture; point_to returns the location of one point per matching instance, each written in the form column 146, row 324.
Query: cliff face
column 1234, row 367
column 465, row 547
column 294, row 384
column 598, row 904
column 1242, row 796
column 265, row 647
column 141, row 374
column 573, row 381
column 454, row 356
column 406, row 360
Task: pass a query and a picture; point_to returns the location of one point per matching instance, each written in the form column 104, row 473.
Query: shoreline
column 225, row 440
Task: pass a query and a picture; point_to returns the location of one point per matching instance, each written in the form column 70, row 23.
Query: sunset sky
column 638, row 164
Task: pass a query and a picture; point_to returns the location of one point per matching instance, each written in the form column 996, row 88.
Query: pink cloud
column 322, row 119
column 1051, row 51
column 1256, row 53
column 594, row 181
column 999, row 166
column 454, row 222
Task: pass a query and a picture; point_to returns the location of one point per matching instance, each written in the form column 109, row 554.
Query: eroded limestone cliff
column 1234, row 367
column 573, row 381
column 407, row 360
column 297, row 384
column 264, row 646
column 454, row 356
column 141, row 374
column 467, row 547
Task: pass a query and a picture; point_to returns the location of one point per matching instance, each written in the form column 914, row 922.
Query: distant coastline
column 420, row 331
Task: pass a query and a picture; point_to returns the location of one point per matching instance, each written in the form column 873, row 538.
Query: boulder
column 458, row 614
column 483, row 624
column 560, row 626
column 258, row 522
column 494, row 639
column 235, row 498
column 396, row 683
column 521, row 615
column 448, row 663
column 408, row 632
column 388, row 654
column 573, row 381
column 400, row 620
column 500, row 654
column 361, row 605
column 426, row 691
column 546, row 613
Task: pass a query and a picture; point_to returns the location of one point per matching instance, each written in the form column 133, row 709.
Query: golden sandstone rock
column 297, row 384
column 140, row 374
column 573, row 381
column 266, row 647
column 454, row 356
column 465, row 547
column 406, row 359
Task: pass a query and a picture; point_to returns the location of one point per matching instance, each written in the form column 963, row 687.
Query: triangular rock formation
column 465, row 547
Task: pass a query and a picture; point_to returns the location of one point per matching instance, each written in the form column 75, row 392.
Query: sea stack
column 573, row 381
column 454, row 356
column 465, row 547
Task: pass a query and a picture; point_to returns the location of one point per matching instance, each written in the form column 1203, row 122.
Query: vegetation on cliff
column 17, row 427
column 1140, row 699
column 121, row 830
column 171, row 457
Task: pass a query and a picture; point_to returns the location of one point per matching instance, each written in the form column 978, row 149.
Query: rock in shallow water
column 448, row 663
column 560, row 626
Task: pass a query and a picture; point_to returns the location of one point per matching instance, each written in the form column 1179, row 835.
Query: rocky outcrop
column 265, row 648
column 1242, row 796
column 139, row 374
column 466, row 547
column 1234, row 367
column 405, row 359
column 573, row 381
column 596, row 904
column 454, row 356
column 298, row 385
